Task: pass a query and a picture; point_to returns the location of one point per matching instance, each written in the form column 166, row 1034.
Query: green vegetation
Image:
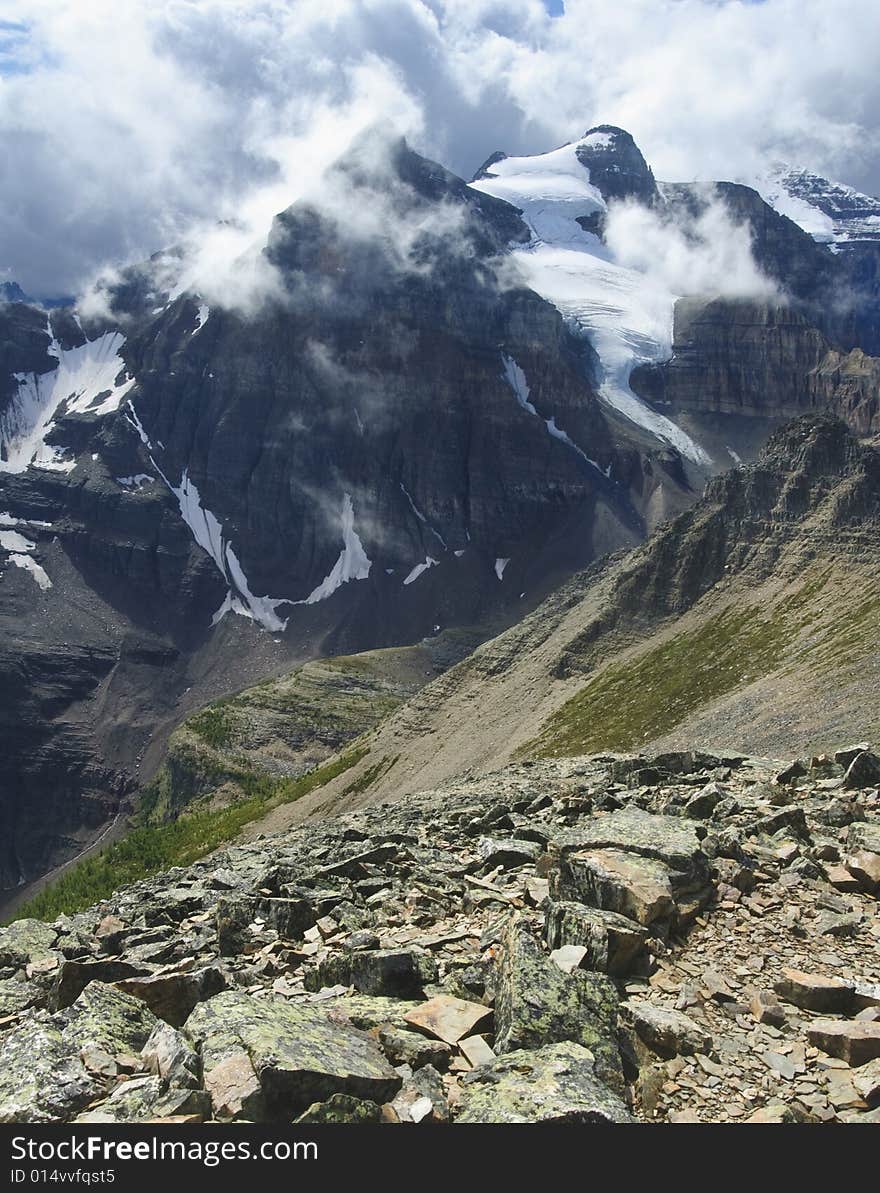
column 647, row 695
column 370, row 775
column 154, row 847
column 213, row 725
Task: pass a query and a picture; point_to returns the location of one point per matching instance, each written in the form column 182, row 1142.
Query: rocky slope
column 679, row 938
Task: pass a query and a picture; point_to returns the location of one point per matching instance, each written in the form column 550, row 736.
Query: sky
column 125, row 125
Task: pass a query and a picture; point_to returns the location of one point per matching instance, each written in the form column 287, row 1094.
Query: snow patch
column 83, row 382
column 419, row 568
column 133, row 482
column 202, row 316
column 516, row 378
column 737, row 459
column 30, row 565
column 500, row 565
column 421, row 517
column 208, row 532
column 20, row 549
column 352, row 563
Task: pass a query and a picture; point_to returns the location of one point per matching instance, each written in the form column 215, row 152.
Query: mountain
column 748, row 622
column 12, row 292
column 432, row 403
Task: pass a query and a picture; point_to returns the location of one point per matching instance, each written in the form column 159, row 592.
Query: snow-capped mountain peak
column 832, row 212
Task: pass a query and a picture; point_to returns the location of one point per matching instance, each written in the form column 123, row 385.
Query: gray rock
column 554, row 1084
column 614, row 943
column 298, row 1053
column 863, row 771
column 666, row 1031
column 169, row 1054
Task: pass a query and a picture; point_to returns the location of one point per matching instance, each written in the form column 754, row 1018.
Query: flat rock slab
column 298, row 1053
column 555, row 1084
column 668, row 839
column 815, row 992
column 856, row 1041
column 634, row 886
column 449, row 1019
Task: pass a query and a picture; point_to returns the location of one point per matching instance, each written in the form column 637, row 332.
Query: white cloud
column 710, row 254
column 128, row 123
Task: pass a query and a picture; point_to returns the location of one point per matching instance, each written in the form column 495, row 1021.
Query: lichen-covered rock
column 42, row 1079
column 667, row 839
column 342, row 1108
column 538, row 1004
column 614, row 943
column 298, row 1053
column 24, row 941
column 554, row 1084
column 17, row 996
column 106, row 1018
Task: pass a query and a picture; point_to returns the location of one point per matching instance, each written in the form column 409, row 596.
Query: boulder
column 634, row 886
column 666, row 1031
column 422, row 1098
column 614, row 944
column 864, row 866
column 74, row 976
column 863, row 771
column 42, row 1079
column 25, row 941
column 855, row 1041
column 298, row 1054
column 169, row 1054
column 506, row 853
column 392, row 973
column 106, row 1018
column 554, row 1084
column 538, row 1004
column 815, row 992
column 172, row 996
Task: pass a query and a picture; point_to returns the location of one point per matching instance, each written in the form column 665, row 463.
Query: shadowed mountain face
column 402, row 431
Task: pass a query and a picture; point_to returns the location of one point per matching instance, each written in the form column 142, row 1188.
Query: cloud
column 124, row 126
column 709, row 254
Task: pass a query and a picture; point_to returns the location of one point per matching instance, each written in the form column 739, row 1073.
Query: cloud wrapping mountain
column 123, row 125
